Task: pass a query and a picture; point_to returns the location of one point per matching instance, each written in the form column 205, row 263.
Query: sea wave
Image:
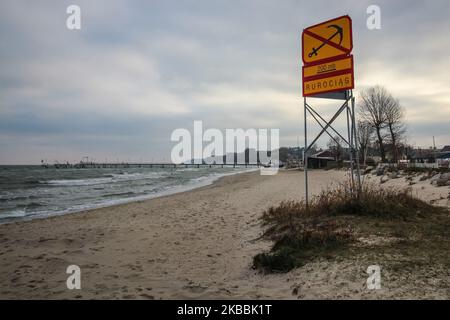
column 14, row 214
column 119, row 194
column 112, row 178
column 31, row 205
column 77, row 182
column 8, row 198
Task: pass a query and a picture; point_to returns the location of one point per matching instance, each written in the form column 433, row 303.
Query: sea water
column 29, row 192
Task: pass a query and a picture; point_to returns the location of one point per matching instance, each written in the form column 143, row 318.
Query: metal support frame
column 305, row 155
column 351, row 141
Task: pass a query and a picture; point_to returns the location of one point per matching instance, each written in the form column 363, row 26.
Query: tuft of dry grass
column 301, row 233
column 371, row 201
column 299, row 242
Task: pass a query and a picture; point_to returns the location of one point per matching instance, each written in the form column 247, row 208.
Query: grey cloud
column 138, row 70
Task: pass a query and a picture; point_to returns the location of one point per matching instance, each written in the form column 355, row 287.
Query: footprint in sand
column 111, row 276
column 147, row 296
column 195, row 288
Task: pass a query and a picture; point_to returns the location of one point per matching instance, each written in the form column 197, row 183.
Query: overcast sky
column 137, row 70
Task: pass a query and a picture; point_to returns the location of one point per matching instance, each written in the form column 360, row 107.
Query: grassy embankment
column 336, row 223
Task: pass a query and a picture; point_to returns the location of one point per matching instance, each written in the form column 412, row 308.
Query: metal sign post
column 305, row 154
column 355, row 133
column 349, row 107
column 328, row 73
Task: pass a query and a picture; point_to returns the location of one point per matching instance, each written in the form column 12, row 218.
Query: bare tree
column 365, row 136
column 395, row 126
column 335, row 146
column 313, row 150
column 374, row 105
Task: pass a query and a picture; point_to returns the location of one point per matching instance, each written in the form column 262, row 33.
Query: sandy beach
column 193, row 245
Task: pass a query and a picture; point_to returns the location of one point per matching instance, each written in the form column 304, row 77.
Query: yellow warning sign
column 344, row 81
column 328, row 68
column 327, row 40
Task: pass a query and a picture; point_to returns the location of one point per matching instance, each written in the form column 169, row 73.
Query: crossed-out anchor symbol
column 339, row 31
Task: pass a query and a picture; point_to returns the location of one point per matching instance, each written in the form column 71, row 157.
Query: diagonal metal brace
column 321, row 125
column 328, row 124
column 314, row 114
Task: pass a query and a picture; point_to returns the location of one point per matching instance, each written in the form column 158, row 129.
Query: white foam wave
column 111, row 179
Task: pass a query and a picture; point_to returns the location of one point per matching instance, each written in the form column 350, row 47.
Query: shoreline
column 120, row 205
column 204, row 182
